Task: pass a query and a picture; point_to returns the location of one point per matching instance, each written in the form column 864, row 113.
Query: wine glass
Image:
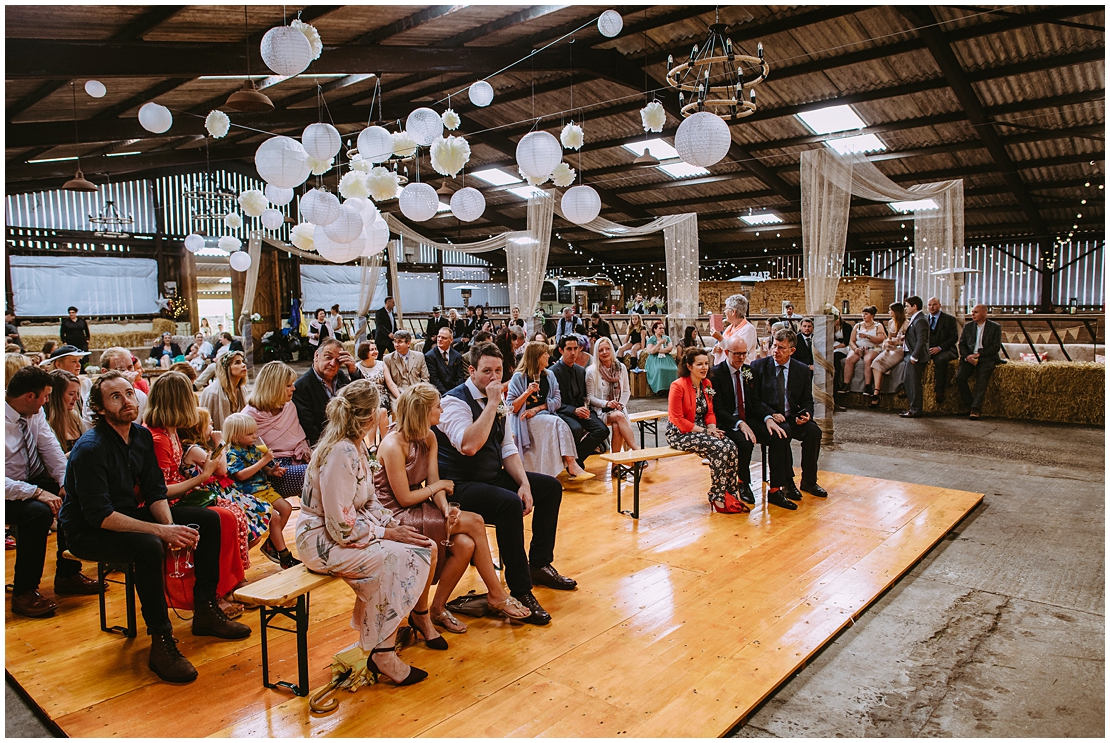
column 189, row 551
column 453, row 510
column 177, row 570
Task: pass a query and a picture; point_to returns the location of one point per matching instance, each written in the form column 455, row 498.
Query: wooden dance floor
column 682, row 623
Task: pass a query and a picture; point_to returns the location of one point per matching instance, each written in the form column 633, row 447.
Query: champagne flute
column 189, row 550
column 176, row 568
column 453, row 510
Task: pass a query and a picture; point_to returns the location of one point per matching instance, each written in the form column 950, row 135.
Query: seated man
column 406, row 367
column 112, row 468
column 804, row 351
column 320, row 383
column 34, row 470
column 782, row 396
column 445, row 365
column 588, row 430
column 226, row 344
column 979, row 346
column 118, row 359
column 731, row 380
column 477, row 452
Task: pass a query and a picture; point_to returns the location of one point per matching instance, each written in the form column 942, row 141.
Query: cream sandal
column 447, row 621
column 511, row 608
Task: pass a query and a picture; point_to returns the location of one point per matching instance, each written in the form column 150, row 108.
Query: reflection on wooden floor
column 683, row 622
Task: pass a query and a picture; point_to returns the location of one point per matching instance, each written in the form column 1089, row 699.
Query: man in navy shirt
column 116, row 511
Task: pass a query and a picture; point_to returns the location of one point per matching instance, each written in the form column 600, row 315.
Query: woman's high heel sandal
column 436, row 643
column 874, row 401
column 732, row 504
column 415, row 674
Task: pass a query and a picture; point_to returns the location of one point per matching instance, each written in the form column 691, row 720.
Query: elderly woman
column 544, row 440
column 279, row 428
column 736, row 312
column 607, row 390
column 344, row 531
column 226, row 394
column 865, row 344
column 891, row 353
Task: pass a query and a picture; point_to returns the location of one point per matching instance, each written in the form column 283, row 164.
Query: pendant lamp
column 247, row 98
column 78, row 182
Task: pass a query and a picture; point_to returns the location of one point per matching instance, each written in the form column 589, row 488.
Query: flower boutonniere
column 372, row 459
column 746, row 374
column 503, row 409
column 710, row 392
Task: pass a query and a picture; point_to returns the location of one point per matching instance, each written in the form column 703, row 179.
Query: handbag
column 471, row 605
column 198, row 498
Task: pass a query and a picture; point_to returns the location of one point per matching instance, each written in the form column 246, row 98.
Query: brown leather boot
column 168, row 662
column 209, row 619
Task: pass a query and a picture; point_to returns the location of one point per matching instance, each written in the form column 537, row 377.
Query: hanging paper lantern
column 537, row 154
column 319, row 207
column 358, row 203
column 301, row 236
column 155, row 118
column 418, row 202
column 581, row 204
column 572, row 136
column 377, row 237
column 346, row 226
column 233, row 220
column 321, row 141
column 272, row 219
column 282, row 161
column 229, row 243
column 253, row 202
column 481, row 93
column 278, row 196
column 610, row 23
column 702, row 139
column 467, row 204
column 375, row 144
column 653, row 116
column 336, row 252
column 193, row 243
column 449, row 155
column 286, row 51
column 95, row 88
column 403, row 145
column 217, row 123
column 240, row 261
column 424, row 126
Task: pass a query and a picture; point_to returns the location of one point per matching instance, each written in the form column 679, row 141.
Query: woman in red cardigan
column 692, row 427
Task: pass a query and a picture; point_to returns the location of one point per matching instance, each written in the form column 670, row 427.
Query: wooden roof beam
column 415, row 20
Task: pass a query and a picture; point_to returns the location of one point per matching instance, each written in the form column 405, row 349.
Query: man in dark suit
column 782, row 396
column 588, row 430
column 320, row 383
column 917, row 355
column 446, row 369
column 568, row 325
column 435, row 322
column 943, row 336
column 385, row 322
column 730, row 405
column 804, row 351
column 979, row 347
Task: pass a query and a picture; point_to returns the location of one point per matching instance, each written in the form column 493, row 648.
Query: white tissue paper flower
column 403, row 144
column 361, row 164
column 563, row 175
column 653, row 117
column 353, row 185
column 253, row 202
column 217, row 124
column 311, row 34
column 233, row 220
column 572, row 136
column 451, row 119
column 319, row 167
column 382, row 184
column 449, row 155
column 301, row 236
column 532, row 181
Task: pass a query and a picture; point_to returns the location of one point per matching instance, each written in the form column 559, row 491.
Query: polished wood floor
column 682, row 623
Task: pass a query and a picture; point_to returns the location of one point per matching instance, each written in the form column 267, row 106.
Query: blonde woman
column 635, row 341
column 227, row 392
column 61, row 409
column 408, row 484
column 607, row 390
column 271, row 405
column 13, row 362
column 343, row 530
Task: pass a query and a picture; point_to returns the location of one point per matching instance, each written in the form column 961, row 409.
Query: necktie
column 34, row 464
column 932, row 322
column 782, row 389
column 740, row 396
column 445, row 361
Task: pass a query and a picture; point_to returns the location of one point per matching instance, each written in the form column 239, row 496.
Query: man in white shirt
column 34, row 470
column 477, row 452
column 979, row 346
column 203, row 346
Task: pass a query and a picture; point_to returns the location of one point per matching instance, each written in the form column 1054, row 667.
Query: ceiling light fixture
column 247, row 99
column 716, row 76
column 78, row 182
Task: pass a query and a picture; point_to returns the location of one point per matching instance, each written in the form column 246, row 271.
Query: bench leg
column 763, row 458
column 102, row 572
column 636, row 469
column 129, row 586
column 299, row 615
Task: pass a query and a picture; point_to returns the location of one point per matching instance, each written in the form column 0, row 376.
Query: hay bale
column 164, row 325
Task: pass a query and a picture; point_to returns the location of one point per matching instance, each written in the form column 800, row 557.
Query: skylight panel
column 658, row 147
column 764, row 218
column 679, row 169
column 524, row 192
column 496, row 177
column 921, row 205
column 831, row 119
column 861, row 143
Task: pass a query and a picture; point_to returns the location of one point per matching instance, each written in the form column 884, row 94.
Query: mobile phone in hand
column 219, row 450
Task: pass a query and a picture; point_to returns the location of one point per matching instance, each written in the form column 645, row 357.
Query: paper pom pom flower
column 253, row 202
column 563, row 175
column 319, row 167
column 449, row 155
column 531, row 181
column 653, row 117
column 311, row 34
column 353, row 185
column 217, row 124
column 233, row 220
column 382, row 184
column 572, row 136
column 403, row 144
column 301, row 236
column 451, row 119
column 361, row 164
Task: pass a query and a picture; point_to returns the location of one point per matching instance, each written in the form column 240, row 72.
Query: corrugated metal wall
column 1080, row 275
column 182, row 216
column 70, row 210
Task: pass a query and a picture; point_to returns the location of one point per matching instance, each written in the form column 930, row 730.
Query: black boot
column 209, row 619
column 168, row 662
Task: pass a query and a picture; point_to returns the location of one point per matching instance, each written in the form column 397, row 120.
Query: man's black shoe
column 778, row 499
column 539, row 616
column 549, row 576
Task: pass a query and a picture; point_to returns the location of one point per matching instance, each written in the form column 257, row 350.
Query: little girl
column 249, row 464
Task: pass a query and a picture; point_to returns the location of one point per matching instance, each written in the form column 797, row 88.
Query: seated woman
column 543, row 439
column 165, row 351
column 692, row 427
column 408, row 484
column 689, row 340
column 865, row 343
column 376, row 371
column 842, row 333
column 634, row 342
column 61, row 409
column 891, row 353
column 226, row 394
column 344, row 531
column 279, row 428
column 607, row 390
column 660, row 364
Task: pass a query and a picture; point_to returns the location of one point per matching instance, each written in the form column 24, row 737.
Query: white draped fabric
column 526, row 257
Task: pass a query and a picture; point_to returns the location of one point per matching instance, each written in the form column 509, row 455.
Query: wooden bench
column 647, row 420
column 128, row 582
column 632, row 463
column 275, row 595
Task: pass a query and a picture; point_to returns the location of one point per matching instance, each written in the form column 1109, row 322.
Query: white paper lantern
column 286, row 51
column 424, row 125
column 346, row 226
column 537, row 154
column 377, row 237
column 193, row 243
column 467, row 204
column 321, row 141
column 418, row 202
column 155, row 118
column 229, row 243
column 358, row 203
column 481, row 93
column 278, row 196
column 333, row 251
column 375, row 144
column 95, row 88
column 272, row 219
column 610, row 23
column 240, row 261
column 702, row 139
column 319, row 207
column 581, row 204
column 282, row 161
